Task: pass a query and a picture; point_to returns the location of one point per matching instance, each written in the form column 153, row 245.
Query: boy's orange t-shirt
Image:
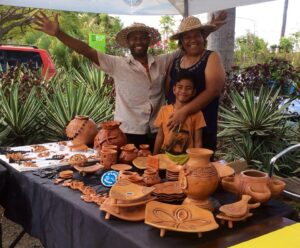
column 192, row 123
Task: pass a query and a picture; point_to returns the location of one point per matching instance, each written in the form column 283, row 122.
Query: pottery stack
column 127, row 201
column 168, row 192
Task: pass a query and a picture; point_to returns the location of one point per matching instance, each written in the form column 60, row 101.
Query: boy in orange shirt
column 184, row 91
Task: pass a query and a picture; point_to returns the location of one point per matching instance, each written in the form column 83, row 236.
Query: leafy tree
column 286, row 45
column 250, row 50
column 13, row 20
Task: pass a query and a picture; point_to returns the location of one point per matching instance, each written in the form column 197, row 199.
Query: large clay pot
column 255, row 183
column 110, row 134
column 198, row 178
column 81, row 130
column 128, row 154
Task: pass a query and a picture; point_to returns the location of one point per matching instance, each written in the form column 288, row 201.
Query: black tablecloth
column 59, row 218
column 3, row 172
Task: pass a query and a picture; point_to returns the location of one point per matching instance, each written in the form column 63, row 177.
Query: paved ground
column 11, row 230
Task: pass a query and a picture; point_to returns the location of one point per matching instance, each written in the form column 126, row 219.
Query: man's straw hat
column 121, row 37
column 193, row 23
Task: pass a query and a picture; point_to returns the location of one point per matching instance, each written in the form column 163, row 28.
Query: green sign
column 97, row 41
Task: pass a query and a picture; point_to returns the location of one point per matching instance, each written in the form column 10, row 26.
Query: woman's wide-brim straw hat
column 153, row 33
column 193, row 23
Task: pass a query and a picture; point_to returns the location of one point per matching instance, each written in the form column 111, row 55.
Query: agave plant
column 70, row 99
column 22, row 119
column 256, row 129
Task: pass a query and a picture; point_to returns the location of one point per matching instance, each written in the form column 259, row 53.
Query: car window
column 12, row 58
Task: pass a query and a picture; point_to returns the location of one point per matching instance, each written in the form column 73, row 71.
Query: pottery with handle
column 255, row 183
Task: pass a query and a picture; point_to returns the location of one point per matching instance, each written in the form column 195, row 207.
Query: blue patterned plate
column 109, row 178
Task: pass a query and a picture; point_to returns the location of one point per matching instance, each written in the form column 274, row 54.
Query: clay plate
column 127, row 191
column 181, row 218
column 138, row 202
column 136, row 213
column 141, row 162
column 121, row 167
column 223, row 169
column 168, row 188
column 88, row 169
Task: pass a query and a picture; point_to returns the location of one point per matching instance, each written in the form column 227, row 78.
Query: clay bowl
column 88, row 169
column 121, row 167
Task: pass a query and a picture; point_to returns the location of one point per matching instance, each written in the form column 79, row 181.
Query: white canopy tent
column 134, row 7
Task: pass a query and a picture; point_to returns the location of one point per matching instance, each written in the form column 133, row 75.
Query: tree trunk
column 223, row 39
column 286, row 4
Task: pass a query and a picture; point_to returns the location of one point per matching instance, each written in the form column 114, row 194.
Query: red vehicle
column 38, row 58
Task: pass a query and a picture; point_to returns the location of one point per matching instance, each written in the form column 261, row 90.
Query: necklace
column 188, row 61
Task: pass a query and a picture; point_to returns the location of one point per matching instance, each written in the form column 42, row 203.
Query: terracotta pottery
column 132, row 177
column 144, row 150
column 180, row 218
column 236, row 209
column 127, row 191
column 108, row 157
column 223, row 169
column 128, row 154
column 135, row 213
column 121, row 167
column 88, row 169
column 81, row 130
column 107, row 146
column 230, row 220
column 198, row 178
column 110, row 134
column 255, row 183
column 142, row 162
column 151, row 177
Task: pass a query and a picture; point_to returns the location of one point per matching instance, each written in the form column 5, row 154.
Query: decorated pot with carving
column 198, row 178
column 110, row 134
column 81, row 130
column 108, row 157
column 151, row 176
column 255, row 183
column 128, row 154
column 144, row 150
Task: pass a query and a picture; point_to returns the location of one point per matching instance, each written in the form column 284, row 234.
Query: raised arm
column 215, row 80
column 51, row 27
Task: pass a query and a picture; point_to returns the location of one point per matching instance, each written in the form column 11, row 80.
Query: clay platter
column 141, row 162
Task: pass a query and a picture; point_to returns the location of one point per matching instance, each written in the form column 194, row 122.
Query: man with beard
column 139, row 77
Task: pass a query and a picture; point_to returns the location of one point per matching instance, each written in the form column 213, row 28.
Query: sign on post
column 97, row 41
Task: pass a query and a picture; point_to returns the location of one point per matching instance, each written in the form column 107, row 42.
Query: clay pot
column 108, row 157
column 107, row 146
column 151, row 177
column 81, row 130
column 255, row 183
column 144, row 151
column 128, row 154
column 198, row 178
column 110, row 134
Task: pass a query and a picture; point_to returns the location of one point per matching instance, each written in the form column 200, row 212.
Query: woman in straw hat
column 139, row 78
column 206, row 66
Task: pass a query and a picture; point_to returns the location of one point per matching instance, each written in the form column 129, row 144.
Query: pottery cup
column 108, row 157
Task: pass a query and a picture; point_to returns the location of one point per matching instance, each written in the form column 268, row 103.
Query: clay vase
column 151, row 176
column 110, row 134
column 81, row 130
column 254, row 183
column 144, row 151
column 128, row 154
column 198, row 178
column 108, row 157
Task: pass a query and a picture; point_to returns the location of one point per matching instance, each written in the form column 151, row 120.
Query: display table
column 59, row 218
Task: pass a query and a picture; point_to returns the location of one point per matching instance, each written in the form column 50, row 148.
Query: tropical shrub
column 256, row 128
column 21, row 119
column 70, row 99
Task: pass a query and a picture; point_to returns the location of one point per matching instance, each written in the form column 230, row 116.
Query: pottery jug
column 81, row 130
column 110, row 134
column 198, row 178
column 255, row 183
column 128, row 154
column 144, row 150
